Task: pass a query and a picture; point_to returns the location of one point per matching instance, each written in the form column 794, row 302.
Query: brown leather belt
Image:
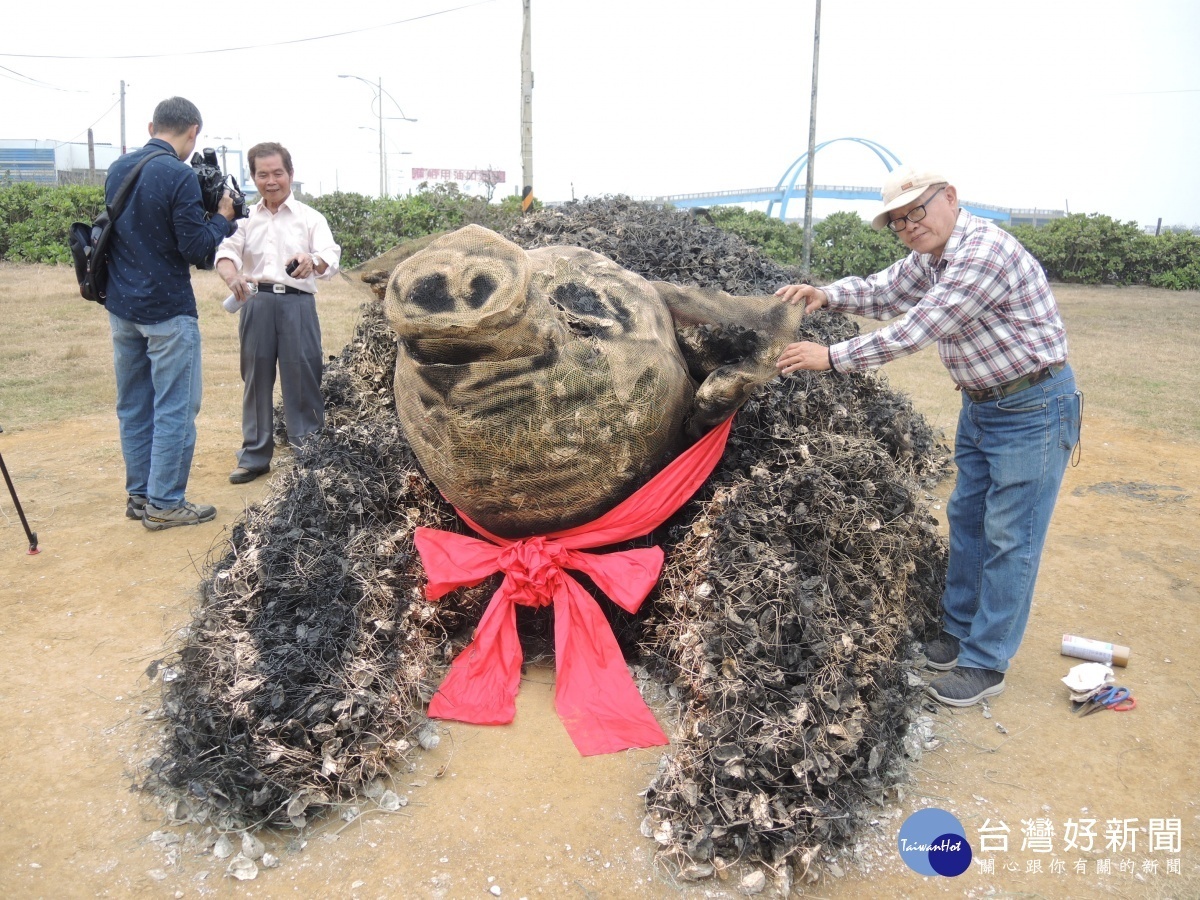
column 1011, row 387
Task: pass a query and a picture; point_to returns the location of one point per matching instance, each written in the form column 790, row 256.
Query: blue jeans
column 158, row 397
column 1011, row 456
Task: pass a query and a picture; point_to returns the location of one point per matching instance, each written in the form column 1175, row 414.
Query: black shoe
column 242, row 475
column 135, row 507
column 942, row 653
column 966, row 686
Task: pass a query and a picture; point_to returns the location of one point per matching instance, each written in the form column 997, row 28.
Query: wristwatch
column 316, row 261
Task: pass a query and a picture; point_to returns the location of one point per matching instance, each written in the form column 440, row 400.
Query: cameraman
column 283, row 247
column 152, row 313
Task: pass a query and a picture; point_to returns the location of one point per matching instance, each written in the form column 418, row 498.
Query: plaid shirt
column 987, row 304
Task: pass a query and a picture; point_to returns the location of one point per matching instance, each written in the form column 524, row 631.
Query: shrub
column 34, row 219
column 781, row 241
column 366, row 227
column 1175, row 261
column 356, row 226
column 1089, row 249
column 843, row 244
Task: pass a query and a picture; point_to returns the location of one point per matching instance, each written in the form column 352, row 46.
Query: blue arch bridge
column 786, row 190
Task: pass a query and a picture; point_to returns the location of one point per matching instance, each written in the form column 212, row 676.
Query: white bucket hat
column 903, row 186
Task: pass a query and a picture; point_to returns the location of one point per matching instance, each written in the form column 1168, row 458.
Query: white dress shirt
column 264, row 242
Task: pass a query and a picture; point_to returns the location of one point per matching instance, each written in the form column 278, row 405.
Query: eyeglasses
column 914, row 215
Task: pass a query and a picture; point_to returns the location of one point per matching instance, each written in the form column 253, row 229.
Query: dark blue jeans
column 1011, row 455
column 158, row 398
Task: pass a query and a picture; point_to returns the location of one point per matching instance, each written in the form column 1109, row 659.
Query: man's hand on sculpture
column 804, row 355
column 795, row 294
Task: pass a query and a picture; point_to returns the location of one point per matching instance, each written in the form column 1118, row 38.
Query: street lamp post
column 377, row 87
column 386, row 180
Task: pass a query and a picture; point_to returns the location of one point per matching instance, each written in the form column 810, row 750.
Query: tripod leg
column 32, row 535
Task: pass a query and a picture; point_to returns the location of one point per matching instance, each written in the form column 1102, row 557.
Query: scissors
column 1117, row 699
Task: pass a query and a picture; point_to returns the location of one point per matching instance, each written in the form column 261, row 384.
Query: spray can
column 232, row 304
column 1096, row 651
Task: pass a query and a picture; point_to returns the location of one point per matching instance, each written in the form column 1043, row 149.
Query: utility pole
column 91, row 158
column 526, row 113
column 812, row 141
column 382, row 155
column 122, row 117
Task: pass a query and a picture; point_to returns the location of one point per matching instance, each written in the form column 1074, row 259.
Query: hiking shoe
column 966, row 686
column 942, row 652
column 185, row 514
column 135, row 507
column 242, row 475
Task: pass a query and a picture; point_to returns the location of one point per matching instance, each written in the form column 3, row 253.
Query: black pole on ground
column 32, row 535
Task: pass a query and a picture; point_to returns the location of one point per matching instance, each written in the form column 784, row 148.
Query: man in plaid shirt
column 975, row 291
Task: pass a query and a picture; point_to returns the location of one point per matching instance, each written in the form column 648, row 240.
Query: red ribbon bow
column 594, row 694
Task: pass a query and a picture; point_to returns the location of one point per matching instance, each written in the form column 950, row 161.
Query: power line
column 1140, row 93
column 21, row 78
column 93, row 125
column 320, row 37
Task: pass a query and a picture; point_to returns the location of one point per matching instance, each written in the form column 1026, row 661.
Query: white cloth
column 264, row 242
column 1087, row 678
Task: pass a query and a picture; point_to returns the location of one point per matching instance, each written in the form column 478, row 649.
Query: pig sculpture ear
column 377, row 271
column 470, row 279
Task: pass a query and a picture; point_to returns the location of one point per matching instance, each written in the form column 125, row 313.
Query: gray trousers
column 279, row 329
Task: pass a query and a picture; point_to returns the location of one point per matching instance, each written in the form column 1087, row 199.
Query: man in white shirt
column 283, row 247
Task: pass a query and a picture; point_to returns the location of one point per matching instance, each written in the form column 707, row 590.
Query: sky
column 1092, row 107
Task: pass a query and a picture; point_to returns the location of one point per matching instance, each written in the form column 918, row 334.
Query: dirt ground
column 516, row 808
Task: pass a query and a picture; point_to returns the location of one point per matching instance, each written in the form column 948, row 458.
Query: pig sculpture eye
column 482, row 287
column 432, row 294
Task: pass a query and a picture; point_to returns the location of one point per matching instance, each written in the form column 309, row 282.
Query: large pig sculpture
column 539, row 389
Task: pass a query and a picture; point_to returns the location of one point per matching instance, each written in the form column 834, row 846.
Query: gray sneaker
column 942, row 653
column 185, row 514
column 966, row 686
column 135, row 507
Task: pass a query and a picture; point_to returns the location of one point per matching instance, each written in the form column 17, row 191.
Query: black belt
column 272, row 287
column 1011, row 387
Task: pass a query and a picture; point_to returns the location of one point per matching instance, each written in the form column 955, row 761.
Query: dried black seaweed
column 795, row 583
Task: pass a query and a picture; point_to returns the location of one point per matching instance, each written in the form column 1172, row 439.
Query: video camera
column 214, row 183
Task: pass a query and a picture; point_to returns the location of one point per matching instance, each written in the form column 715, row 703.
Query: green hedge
column 782, row 241
column 843, row 244
column 1096, row 249
column 1081, row 249
column 1085, row 249
column 368, row 226
column 34, row 219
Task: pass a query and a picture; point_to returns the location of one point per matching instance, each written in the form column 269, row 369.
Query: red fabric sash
column 595, row 695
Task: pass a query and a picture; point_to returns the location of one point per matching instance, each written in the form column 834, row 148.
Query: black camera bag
column 89, row 241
